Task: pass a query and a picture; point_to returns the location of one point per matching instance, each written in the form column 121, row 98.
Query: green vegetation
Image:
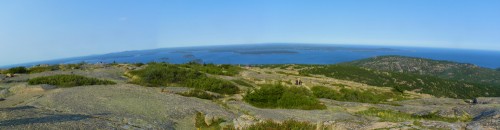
column 72, row 66
column 438, row 68
column 395, row 116
column 285, row 125
column 199, row 94
column 351, row 95
column 278, row 96
column 273, row 66
column 200, row 123
column 163, row 75
column 242, row 83
column 224, row 69
column 17, row 70
column 139, row 64
column 159, row 74
column 68, row 81
column 212, row 84
column 405, row 82
column 39, row 69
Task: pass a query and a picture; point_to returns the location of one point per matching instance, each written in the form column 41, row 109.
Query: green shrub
column 164, row 75
column 17, row 70
column 158, row 74
column 242, row 83
column 368, row 96
column 278, row 96
column 212, row 84
column 395, row 116
column 285, row 125
column 68, row 81
column 199, row 94
column 72, row 66
column 39, row 69
column 224, row 69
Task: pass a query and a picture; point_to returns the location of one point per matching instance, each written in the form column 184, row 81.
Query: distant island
column 280, row 53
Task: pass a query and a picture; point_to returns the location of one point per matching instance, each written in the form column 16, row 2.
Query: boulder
column 9, row 75
column 243, row 122
column 209, row 119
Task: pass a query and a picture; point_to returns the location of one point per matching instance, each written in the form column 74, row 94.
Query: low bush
column 159, row 74
column 199, row 94
column 17, row 70
column 39, row 69
column 354, row 95
column 68, row 81
column 163, row 75
column 278, row 96
column 285, row 125
column 224, row 69
column 212, row 84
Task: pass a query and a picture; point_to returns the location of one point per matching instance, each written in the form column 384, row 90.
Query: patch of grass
column 242, row 83
column 199, row 94
column 339, row 85
column 17, row 70
column 72, row 66
column 351, row 95
column 224, row 69
column 395, row 116
column 159, row 74
column 68, row 81
column 278, row 96
column 39, row 69
column 285, row 125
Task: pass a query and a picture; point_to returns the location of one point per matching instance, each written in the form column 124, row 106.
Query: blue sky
column 34, row 30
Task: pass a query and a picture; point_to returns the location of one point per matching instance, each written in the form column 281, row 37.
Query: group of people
column 298, row 82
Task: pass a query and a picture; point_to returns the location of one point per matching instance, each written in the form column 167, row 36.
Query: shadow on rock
column 17, row 108
column 46, row 119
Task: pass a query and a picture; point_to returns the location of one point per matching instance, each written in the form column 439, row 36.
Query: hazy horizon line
column 240, row 44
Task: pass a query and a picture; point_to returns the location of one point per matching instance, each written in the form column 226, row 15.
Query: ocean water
column 284, row 54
